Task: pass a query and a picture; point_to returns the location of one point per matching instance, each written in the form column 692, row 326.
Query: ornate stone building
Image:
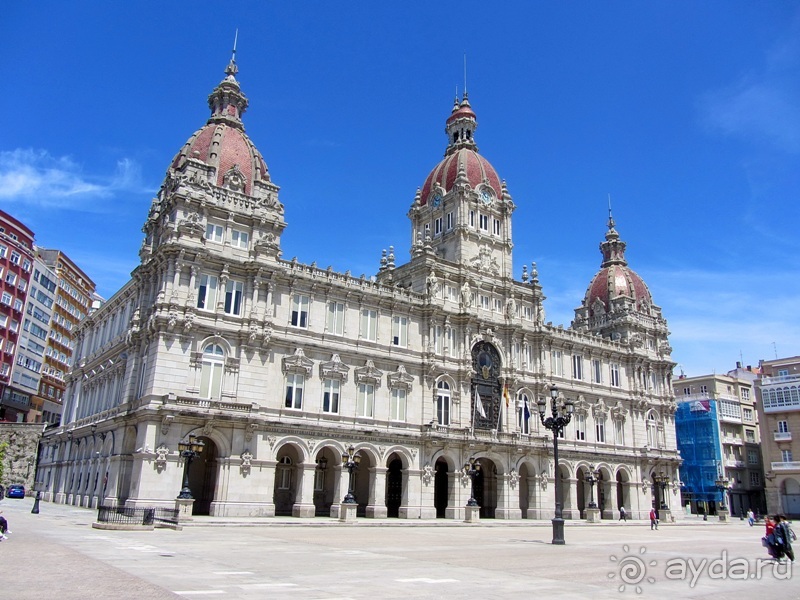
column 280, row 367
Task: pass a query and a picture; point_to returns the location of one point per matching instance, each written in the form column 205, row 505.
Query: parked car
column 15, row 491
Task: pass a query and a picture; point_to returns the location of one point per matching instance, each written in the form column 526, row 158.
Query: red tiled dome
column 477, row 168
column 222, row 143
column 613, row 281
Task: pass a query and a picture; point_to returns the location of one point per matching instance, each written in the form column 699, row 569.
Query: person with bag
column 653, row 519
column 784, row 536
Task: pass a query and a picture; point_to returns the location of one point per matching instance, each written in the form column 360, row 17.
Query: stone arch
column 212, row 339
column 529, row 496
column 222, row 443
column 403, row 453
column 288, row 456
column 790, row 497
column 296, row 441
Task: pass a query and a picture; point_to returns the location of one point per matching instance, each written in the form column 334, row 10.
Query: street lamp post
column 188, row 450
column 560, row 416
column 592, row 477
column 471, row 470
column 661, row 480
column 350, row 462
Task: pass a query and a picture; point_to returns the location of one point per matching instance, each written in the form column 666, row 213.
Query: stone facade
column 19, row 465
column 279, row 367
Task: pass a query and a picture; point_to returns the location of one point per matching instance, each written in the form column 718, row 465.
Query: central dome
column 462, row 152
column 222, row 143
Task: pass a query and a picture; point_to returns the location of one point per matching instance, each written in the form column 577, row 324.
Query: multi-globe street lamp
column 661, row 481
column 471, row 470
column 560, row 416
column 188, row 450
column 350, row 462
column 592, row 477
column 722, row 484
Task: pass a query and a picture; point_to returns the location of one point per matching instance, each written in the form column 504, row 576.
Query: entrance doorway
column 440, row 489
column 203, row 477
column 394, row 487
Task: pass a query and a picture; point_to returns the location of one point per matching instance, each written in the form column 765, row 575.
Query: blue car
column 15, row 491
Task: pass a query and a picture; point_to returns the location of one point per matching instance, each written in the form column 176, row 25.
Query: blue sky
column 686, row 112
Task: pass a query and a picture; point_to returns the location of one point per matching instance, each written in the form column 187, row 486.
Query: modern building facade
column 73, row 295
column 731, row 452
column 280, row 367
column 778, row 393
column 18, row 380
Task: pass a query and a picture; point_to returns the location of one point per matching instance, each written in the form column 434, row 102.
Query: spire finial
column 465, row 74
column 232, row 69
column 610, row 216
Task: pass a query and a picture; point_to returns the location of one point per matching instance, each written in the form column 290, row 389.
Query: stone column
column 507, row 497
column 376, row 508
column 457, row 496
column 269, row 486
column 414, row 505
column 570, row 510
column 341, row 479
column 304, row 499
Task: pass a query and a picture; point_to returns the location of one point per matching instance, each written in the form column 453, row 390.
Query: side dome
column 461, row 154
column 616, row 283
column 222, row 144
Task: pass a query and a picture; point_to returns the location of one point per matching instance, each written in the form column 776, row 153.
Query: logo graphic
column 632, row 570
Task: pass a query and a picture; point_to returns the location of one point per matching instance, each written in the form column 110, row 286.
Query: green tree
column 3, row 448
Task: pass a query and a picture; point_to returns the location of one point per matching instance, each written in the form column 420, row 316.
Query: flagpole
column 499, row 415
column 474, row 410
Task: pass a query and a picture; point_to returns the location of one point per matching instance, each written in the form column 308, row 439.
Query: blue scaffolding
column 697, row 432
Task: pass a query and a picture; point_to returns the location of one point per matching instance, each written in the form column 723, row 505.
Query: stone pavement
column 56, row 554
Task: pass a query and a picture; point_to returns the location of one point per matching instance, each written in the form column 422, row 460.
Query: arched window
column 285, row 473
column 211, row 371
column 443, row 403
column 524, row 414
column 652, row 431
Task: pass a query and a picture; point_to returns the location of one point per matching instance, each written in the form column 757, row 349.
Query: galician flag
column 479, row 405
column 505, row 394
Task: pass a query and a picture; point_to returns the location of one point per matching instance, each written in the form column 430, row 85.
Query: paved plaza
column 57, row 554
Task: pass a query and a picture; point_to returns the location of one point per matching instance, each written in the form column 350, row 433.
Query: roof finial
column 232, row 69
column 610, row 217
column 465, row 75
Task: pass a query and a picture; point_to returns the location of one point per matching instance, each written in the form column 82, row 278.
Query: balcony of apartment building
column 786, row 466
column 780, row 393
column 782, row 436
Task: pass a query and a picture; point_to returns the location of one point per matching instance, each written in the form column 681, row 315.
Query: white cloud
column 36, row 178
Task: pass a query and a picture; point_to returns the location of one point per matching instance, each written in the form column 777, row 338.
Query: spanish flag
column 505, row 394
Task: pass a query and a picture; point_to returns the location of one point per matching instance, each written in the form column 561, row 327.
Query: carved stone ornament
column 246, row 457
column 543, row 481
column 208, row 428
column 334, row 368
column 400, row 379
column 234, row 179
column 271, row 441
column 513, row 479
column 427, row 474
column 298, row 363
column 161, row 456
column 165, row 424
column 249, row 431
column 645, row 486
column 369, row 374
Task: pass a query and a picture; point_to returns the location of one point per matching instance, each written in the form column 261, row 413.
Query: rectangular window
column 472, row 218
column 437, row 339
column 597, row 371
column 400, row 331
column 300, row 311
column 745, row 395
column 365, row 400
column 450, row 221
column 600, row 431
column 15, row 256
column 786, row 456
column 397, row 409
column 6, row 298
column 26, row 265
column 294, row 390
column 234, row 290
column 335, row 319
column 330, row 396
column 783, row 426
column 619, row 432
column 3, row 251
column 207, row 292
column 556, row 363
column 369, row 324
column 240, row 239
column 496, row 227
column 613, row 370
column 577, row 366
column 485, row 302
column 11, row 278
column 704, row 389
column 755, row 479
column 214, row 233
column 484, row 222
column 437, row 226
column 580, row 427
column 687, row 391
column 750, row 436
column 747, row 414
column 752, row 457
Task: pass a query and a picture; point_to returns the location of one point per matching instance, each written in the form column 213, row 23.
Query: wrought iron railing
column 126, row 515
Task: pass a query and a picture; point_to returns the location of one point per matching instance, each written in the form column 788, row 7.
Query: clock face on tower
column 486, row 196
column 437, row 200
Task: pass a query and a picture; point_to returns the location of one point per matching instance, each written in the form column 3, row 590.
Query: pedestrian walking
column 653, row 519
column 3, row 527
column 783, row 537
column 751, row 518
column 768, row 541
column 622, row 515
